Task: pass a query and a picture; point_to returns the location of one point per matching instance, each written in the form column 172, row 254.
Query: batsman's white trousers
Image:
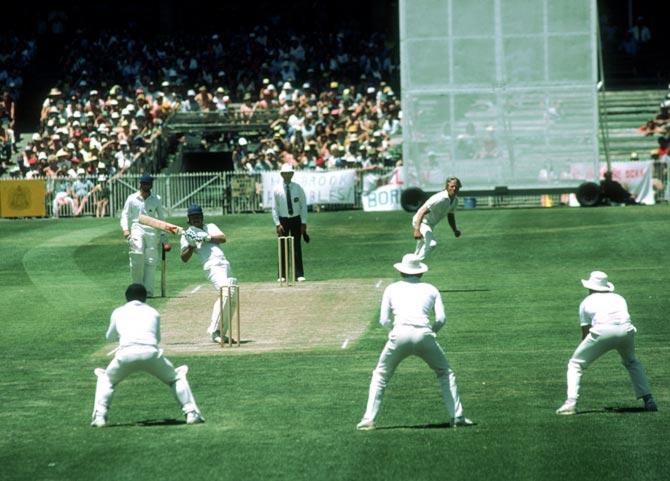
column 600, row 340
column 218, row 276
column 150, row 359
column 143, row 243
column 406, row 341
column 426, row 243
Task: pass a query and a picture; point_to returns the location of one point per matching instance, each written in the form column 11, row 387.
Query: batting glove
column 203, row 237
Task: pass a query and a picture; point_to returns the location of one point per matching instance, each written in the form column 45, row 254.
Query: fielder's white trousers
column 406, row 341
column 600, row 340
column 143, row 254
column 150, row 359
column 426, row 243
column 218, row 275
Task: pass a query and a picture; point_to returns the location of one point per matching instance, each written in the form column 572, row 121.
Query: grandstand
column 623, row 112
column 342, row 108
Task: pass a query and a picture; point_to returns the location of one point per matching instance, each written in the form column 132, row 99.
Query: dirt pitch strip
column 320, row 314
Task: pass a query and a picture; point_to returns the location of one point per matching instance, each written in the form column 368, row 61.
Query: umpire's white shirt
column 135, row 323
column 411, row 302
column 438, row 205
column 298, row 200
column 136, row 205
column 603, row 310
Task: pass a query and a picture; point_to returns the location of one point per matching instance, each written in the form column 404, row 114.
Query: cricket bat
column 160, row 224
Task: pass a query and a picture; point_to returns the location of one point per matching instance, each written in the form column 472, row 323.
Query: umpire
column 289, row 213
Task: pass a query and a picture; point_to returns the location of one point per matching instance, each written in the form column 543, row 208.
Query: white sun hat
column 411, row 265
column 598, row 282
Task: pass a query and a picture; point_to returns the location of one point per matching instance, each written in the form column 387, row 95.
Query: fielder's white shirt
column 298, row 199
column 135, row 323
column 601, row 309
column 438, row 205
column 209, row 253
column 136, row 205
column 412, row 301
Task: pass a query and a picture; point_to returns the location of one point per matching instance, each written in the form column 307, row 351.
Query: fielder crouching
column 136, row 325
column 205, row 240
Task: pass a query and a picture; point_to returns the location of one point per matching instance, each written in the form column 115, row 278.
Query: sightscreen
column 498, row 92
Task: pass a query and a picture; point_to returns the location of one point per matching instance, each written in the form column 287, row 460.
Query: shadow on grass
column 465, row 290
column 614, row 409
column 423, row 426
column 149, row 423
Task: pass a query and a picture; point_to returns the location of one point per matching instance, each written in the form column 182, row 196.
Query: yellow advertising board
column 22, row 198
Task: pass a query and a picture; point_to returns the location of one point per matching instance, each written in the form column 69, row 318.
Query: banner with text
column 635, row 177
column 382, row 193
column 328, row 187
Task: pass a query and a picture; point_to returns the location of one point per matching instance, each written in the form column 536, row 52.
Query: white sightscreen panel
column 498, row 92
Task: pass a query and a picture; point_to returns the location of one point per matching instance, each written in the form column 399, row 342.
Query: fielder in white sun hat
column 410, row 265
column 598, row 282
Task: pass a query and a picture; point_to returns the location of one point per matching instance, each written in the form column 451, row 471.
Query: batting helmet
column 194, row 209
column 146, row 179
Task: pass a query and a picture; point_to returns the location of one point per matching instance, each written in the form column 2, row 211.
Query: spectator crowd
column 328, row 100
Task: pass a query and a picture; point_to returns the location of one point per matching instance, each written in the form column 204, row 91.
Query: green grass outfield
column 511, row 289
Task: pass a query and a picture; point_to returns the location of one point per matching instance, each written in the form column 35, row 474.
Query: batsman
column 143, row 240
column 205, row 240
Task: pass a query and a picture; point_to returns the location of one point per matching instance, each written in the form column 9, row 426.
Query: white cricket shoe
column 216, row 337
column 462, row 421
column 568, row 409
column 194, row 417
column 301, row 279
column 99, row 421
column 366, row 425
column 281, row 279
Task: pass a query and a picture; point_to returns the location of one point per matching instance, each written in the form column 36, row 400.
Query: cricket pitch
column 305, row 316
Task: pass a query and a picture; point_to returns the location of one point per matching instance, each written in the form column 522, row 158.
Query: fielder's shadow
column 149, row 423
column 614, row 410
column 423, row 426
column 465, row 290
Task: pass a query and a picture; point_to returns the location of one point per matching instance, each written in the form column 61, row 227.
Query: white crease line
column 196, row 289
column 378, row 284
column 345, row 343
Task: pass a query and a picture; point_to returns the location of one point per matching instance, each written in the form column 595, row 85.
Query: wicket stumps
column 286, row 260
column 230, row 292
